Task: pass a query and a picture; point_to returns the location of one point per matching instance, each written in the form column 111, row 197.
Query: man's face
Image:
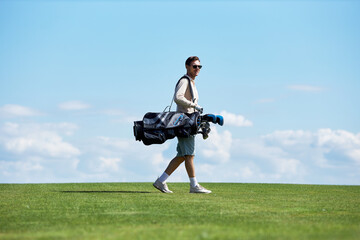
column 193, row 70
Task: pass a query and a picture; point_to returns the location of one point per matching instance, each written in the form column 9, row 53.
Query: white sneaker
column 199, row 189
column 161, row 186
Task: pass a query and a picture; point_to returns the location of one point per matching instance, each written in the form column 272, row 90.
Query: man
column 186, row 146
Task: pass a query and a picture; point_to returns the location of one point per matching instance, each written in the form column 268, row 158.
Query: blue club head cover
column 220, row 120
column 210, row 118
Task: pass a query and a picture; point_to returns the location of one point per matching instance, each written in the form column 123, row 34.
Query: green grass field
column 139, row 211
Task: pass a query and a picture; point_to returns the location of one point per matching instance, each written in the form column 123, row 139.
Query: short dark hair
column 191, row 59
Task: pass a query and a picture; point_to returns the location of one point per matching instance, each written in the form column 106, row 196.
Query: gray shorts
column 186, row 146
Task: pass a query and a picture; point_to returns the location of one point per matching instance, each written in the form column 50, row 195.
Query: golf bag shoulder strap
column 191, row 91
column 190, row 86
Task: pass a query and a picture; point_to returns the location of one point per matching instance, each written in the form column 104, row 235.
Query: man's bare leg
column 189, row 165
column 174, row 164
column 190, row 169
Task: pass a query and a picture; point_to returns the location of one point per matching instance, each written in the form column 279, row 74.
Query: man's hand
column 199, row 109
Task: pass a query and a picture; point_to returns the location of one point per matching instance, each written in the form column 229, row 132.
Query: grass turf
column 139, row 211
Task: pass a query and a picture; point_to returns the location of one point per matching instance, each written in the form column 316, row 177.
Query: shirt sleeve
column 180, row 91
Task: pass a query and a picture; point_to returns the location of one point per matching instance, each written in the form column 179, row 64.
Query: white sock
column 163, row 177
column 193, row 182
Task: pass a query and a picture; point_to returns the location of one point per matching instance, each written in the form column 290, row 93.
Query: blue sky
column 74, row 75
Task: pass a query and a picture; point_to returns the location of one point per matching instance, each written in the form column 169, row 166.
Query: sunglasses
column 197, row 66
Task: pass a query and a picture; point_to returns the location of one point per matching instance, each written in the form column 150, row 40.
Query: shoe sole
column 201, row 192
column 160, row 189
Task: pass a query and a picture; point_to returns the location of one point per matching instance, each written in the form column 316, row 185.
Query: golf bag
column 156, row 128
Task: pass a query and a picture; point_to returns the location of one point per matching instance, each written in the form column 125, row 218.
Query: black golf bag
column 156, row 128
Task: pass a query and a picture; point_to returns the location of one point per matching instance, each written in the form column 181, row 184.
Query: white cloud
column 289, row 166
column 355, row 155
column 135, row 161
column 21, row 171
column 290, row 138
column 232, row 119
column 74, row 105
column 306, row 88
column 337, row 139
column 321, row 145
column 13, row 110
column 65, row 127
column 324, row 156
column 268, row 162
column 37, row 139
column 109, row 164
column 33, row 152
column 247, row 172
column 217, row 147
column 340, row 142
